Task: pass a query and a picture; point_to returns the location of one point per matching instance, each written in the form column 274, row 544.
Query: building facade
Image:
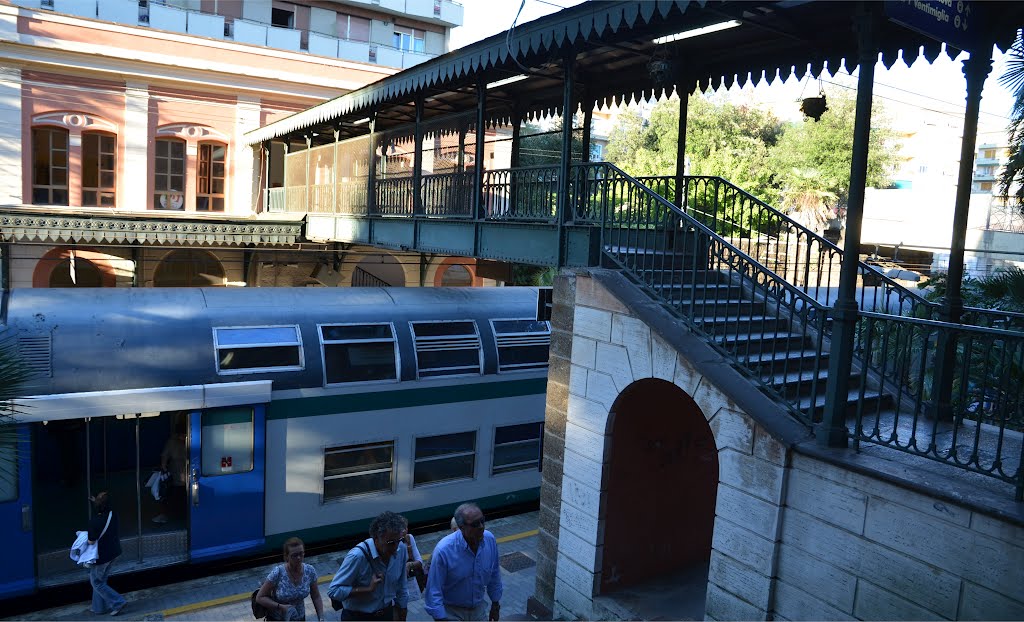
column 120, row 128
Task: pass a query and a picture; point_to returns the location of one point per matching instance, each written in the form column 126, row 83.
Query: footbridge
column 819, row 426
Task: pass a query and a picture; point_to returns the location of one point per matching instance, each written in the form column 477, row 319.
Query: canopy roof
column 614, row 44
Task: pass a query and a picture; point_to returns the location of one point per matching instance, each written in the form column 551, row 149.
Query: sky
column 937, row 89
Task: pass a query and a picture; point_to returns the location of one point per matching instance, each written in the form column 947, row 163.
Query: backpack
column 337, row 604
column 258, row 611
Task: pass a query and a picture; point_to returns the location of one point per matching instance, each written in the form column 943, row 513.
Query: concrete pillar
column 134, row 193
column 242, row 197
column 12, row 181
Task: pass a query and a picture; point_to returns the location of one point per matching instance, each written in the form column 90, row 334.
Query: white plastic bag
column 83, row 553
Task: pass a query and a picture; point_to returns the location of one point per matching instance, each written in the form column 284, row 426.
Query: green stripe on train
column 421, row 516
column 403, row 398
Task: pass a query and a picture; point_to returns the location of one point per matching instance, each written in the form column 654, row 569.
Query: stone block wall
column 856, row 547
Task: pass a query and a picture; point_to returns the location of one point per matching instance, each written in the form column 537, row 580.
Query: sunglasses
column 477, row 524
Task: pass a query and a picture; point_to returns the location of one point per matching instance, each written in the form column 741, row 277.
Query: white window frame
column 217, row 347
column 458, row 342
column 408, row 34
column 394, row 347
column 540, row 449
column 474, row 453
column 324, row 477
column 519, row 339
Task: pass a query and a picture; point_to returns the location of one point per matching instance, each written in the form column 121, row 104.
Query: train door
column 17, row 574
column 225, row 480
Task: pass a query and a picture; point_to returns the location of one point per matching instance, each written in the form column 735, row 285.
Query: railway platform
column 226, row 596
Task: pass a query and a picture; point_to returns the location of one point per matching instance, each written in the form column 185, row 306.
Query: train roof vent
column 37, row 354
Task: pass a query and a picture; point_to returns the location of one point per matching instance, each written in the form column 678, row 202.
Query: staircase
column 721, row 264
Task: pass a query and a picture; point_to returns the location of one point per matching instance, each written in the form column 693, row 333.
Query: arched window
column 189, row 268
column 210, row 177
column 49, row 166
column 170, row 174
column 99, row 166
column 456, row 275
column 85, row 274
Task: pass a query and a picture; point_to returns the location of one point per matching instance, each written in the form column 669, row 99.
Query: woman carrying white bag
column 103, row 545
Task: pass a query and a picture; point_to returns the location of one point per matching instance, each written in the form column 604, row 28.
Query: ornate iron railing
column 352, row 196
column 778, row 334
column 448, row 194
column 362, row 278
column 529, row 193
column 395, row 196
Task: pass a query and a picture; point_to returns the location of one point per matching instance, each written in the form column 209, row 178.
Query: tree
column 13, row 376
column 722, row 140
column 1012, row 177
column 812, row 160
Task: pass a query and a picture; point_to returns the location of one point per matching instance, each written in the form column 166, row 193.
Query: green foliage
column 13, row 376
column 539, row 147
column 1012, row 177
column 1003, row 290
column 800, row 167
column 814, row 158
column 533, row 276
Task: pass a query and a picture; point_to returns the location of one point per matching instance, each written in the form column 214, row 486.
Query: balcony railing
column 162, row 17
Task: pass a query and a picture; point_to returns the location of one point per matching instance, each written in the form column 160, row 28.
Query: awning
column 34, row 225
column 132, row 401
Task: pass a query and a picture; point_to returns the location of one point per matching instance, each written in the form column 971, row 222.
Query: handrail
column 777, row 335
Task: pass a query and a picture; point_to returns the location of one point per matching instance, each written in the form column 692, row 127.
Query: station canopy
column 632, row 50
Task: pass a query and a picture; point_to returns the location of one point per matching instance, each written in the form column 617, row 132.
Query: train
column 300, row 412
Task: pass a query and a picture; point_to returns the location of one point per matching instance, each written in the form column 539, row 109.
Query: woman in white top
column 415, row 563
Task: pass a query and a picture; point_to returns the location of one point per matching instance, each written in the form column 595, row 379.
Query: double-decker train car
column 284, row 411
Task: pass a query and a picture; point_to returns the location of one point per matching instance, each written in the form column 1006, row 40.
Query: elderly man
column 371, row 582
column 463, row 566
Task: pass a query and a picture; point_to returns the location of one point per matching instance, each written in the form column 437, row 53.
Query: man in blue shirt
column 371, row 581
column 464, row 564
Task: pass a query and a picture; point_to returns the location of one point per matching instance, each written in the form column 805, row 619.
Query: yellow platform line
column 237, row 598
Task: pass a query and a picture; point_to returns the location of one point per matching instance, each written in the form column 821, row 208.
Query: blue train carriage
column 302, row 411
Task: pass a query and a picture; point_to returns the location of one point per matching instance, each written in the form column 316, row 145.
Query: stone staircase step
column 784, row 360
column 762, row 342
column 718, row 325
column 873, row 400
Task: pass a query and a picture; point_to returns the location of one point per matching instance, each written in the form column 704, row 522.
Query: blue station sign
column 956, row 22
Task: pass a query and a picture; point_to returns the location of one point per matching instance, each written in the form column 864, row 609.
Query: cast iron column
column 563, row 205
column 371, row 169
column 832, row 431
column 478, row 158
column 683, row 87
column 976, row 70
column 417, row 160
column 517, row 122
column 588, row 118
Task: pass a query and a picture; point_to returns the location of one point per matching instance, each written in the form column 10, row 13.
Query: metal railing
column 980, row 429
column 447, row 194
column 395, row 196
column 528, row 193
column 778, row 334
column 362, row 278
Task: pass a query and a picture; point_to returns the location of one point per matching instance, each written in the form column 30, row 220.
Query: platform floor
column 226, row 596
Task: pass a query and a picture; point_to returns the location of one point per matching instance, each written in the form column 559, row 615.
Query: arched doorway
column 189, row 268
column 378, row 271
column 662, row 485
column 91, row 269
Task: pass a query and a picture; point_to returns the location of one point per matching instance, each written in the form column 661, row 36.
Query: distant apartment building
column 121, row 159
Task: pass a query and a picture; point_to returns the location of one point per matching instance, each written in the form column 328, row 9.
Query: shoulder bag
column 336, row 604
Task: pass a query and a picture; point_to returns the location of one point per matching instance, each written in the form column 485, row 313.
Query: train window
column 358, row 469
column 444, row 458
column 517, row 448
column 8, row 468
column 447, row 348
column 250, row 349
column 359, row 353
column 522, row 344
column 227, row 441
